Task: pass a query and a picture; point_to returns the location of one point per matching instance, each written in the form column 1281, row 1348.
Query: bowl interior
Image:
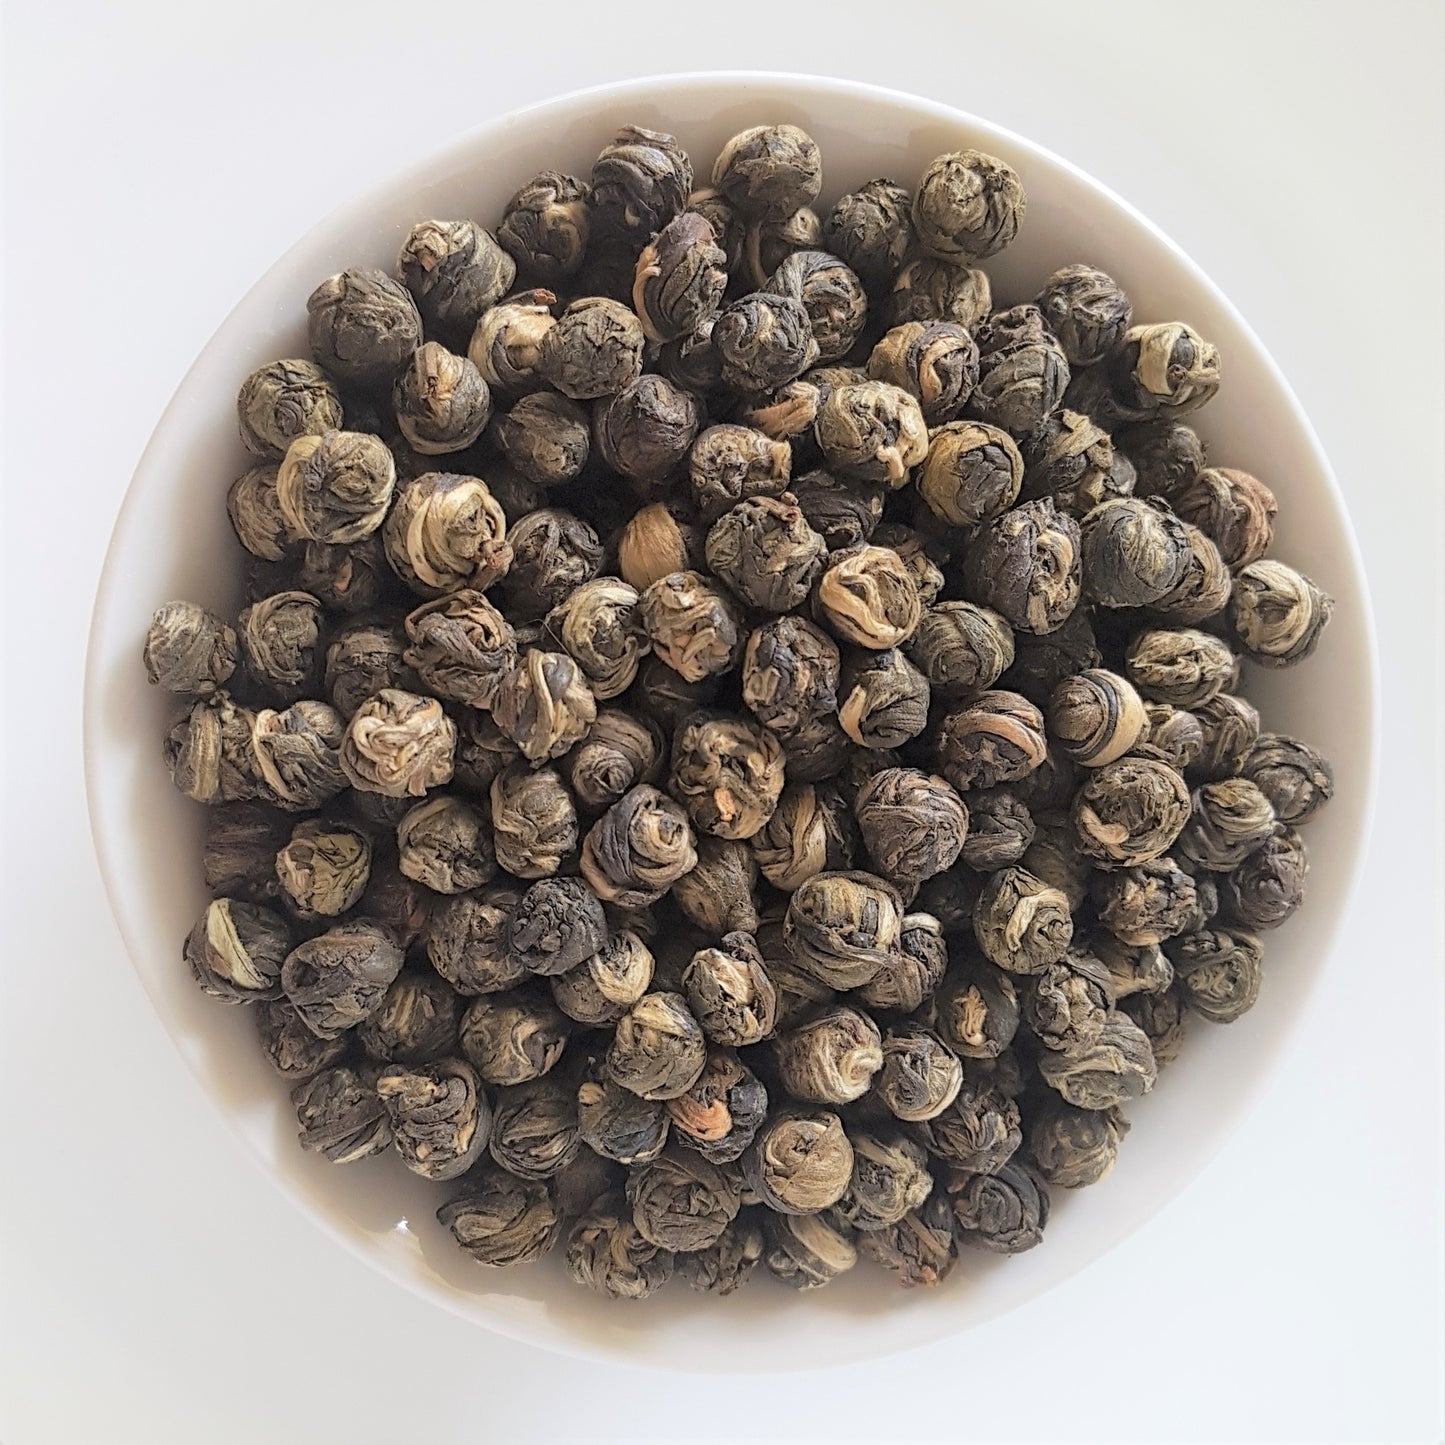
column 172, row 540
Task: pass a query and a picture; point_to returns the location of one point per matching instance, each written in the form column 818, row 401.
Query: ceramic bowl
column 172, row 539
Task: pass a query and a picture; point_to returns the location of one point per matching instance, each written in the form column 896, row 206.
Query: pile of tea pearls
column 734, row 754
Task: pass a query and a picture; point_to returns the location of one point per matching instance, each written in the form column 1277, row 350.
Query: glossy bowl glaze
column 172, row 539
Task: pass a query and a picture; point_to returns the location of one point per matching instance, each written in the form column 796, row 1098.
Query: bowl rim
column 353, row 214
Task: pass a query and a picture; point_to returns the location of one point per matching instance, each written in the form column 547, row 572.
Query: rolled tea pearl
column 980, row 1131
column 1147, row 903
column 832, row 294
column 603, row 987
column 728, row 1264
column 872, row 431
column 680, row 278
column 971, row 474
column 515, row 1037
column 976, row 1010
column 1277, row 614
column 1229, row 728
column 890, row 1177
column 553, row 553
column 546, row 437
column 646, row 429
column 921, row 1075
column 1116, row 1067
column 1228, row 821
column 968, row 205
column 441, row 402
column 769, row 171
column 1026, row 564
column 871, row 229
column 867, row 596
column 790, row 673
column 1021, row 923
column 727, row 772
column 467, row 940
column 722, row 1112
column 188, row 649
column 1181, row 666
column 416, row 1022
column 764, row 341
column 844, row 928
column 534, row 822
column 339, row 978
column 607, row 1254
column 557, row 924
column 454, row 270
column 1233, row 509
column 830, row 1058
column 717, row 893
column 1096, row 716
column 811, row 831
column 658, row 1050
column 1075, row 1147
column 615, row 1124
column 920, row 1249
column 660, row 539
column 730, row 993
column 338, row 1114
column 460, row 647
column 323, row 868
column 446, row 531
column 446, row 844
column 1297, row 780
column 728, row 464
column 283, row 644
column 681, row 1201
column 507, row 342
column 1067, row 1003
column 694, row 628
column 1218, row 971
column 1129, row 811
column 961, row 648
column 1269, row 885
column 1164, row 367
column 594, row 350
column 1205, row 588
column 546, row 225
column 362, row 326
column 807, row 1251
column 1022, row 372
column 283, row 400
column 237, row 952
column 883, row 699
column 1133, row 552
column 1175, row 735
column 501, row 1220
column 543, row 703
column 1000, row 830
column 910, row 978
column 996, row 738
column 290, row 1047
column 440, row 1115
column 913, row 824
column 1087, row 310
column 619, row 751
column 639, row 848
column 1132, row 968
column 801, row 1161
column 599, row 628
column 935, row 362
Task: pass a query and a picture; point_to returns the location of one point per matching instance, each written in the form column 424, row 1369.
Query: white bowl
column 172, row 540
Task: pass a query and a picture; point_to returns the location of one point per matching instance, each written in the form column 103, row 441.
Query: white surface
column 1293, row 1292
column 173, row 540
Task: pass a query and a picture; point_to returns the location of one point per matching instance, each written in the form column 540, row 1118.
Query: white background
column 158, row 156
